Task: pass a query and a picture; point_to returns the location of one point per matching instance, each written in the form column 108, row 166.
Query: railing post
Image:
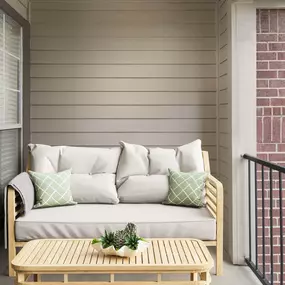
column 263, row 221
column 256, row 221
column 249, row 207
column 271, row 225
column 281, row 230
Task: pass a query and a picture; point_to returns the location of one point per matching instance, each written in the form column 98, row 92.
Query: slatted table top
column 78, row 255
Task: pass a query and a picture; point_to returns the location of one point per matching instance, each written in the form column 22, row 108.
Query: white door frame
column 243, row 111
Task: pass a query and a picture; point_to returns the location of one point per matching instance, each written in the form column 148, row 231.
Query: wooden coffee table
column 68, row 257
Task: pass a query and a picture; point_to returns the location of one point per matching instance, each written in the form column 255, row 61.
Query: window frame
column 18, row 125
column 24, row 83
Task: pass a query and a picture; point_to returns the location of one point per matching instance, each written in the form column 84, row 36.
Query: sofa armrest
column 215, row 205
column 24, row 191
column 15, row 203
column 214, row 197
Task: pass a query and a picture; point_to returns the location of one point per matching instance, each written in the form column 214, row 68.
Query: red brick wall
column 270, row 124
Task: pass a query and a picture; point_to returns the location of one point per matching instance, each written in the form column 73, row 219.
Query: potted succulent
column 125, row 243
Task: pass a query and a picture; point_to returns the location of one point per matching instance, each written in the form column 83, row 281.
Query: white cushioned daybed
column 114, row 186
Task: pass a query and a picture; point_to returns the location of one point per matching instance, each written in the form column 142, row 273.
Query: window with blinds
column 10, row 101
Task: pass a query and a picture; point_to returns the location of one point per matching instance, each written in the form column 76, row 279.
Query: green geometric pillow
column 186, row 189
column 52, row 189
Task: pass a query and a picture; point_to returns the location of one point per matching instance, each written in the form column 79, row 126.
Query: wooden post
column 11, row 229
column 220, row 232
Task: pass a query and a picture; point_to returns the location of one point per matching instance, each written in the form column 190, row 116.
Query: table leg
column 158, row 278
column 65, row 278
column 20, row 277
column 205, row 276
column 37, row 278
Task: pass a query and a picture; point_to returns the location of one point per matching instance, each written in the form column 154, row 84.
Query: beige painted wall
column 224, row 130
column 139, row 71
column 21, row 6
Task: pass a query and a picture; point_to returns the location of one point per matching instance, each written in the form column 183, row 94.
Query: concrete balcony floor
column 233, row 275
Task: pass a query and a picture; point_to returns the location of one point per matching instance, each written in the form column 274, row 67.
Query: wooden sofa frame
column 214, row 203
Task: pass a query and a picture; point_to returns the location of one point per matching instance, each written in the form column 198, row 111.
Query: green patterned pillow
column 52, row 189
column 186, row 189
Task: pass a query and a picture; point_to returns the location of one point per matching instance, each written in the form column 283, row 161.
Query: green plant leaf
column 95, row 240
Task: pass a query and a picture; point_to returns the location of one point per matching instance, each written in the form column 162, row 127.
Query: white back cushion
column 133, row 161
column 139, row 184
column 93, row 170
column 44, row 158
column 89, row 160
column 190, row 157
column 161, row 159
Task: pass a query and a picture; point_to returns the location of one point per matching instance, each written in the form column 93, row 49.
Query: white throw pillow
column 190, row 157
column 144, row 189
column 161, row 159
column 133, row 161
column 97, row 188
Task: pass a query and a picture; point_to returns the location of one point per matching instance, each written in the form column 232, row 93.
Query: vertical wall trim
column 243, row 110
column 26, row 71
column 218, row 85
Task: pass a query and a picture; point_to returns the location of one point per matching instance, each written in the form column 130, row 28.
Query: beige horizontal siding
column 162, row 139
column 131, row 112
column 124, row 125
column 126, row 30
column 121, row 71
column 123, row 98
column 122, row 84
column 124, row 6
column 123, row 44
column 139, row 71
column 136, row 18
column 123, row 57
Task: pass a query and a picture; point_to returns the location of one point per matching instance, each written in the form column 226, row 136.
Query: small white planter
column 123, row 251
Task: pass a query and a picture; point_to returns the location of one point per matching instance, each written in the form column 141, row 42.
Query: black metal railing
column 266, row 226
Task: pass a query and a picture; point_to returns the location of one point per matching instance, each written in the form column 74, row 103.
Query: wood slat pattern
column 63, row 254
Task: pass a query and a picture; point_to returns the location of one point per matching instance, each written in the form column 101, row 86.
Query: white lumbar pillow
column 190, row 157
column 97, row 188
column 144, row 189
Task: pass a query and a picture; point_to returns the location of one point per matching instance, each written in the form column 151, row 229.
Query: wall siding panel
column 139, row 71
column 223, row 123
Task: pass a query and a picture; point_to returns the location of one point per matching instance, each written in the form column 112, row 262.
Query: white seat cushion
column 88, row 221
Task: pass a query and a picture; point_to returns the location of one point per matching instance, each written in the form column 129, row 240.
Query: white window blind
column 10, row 101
